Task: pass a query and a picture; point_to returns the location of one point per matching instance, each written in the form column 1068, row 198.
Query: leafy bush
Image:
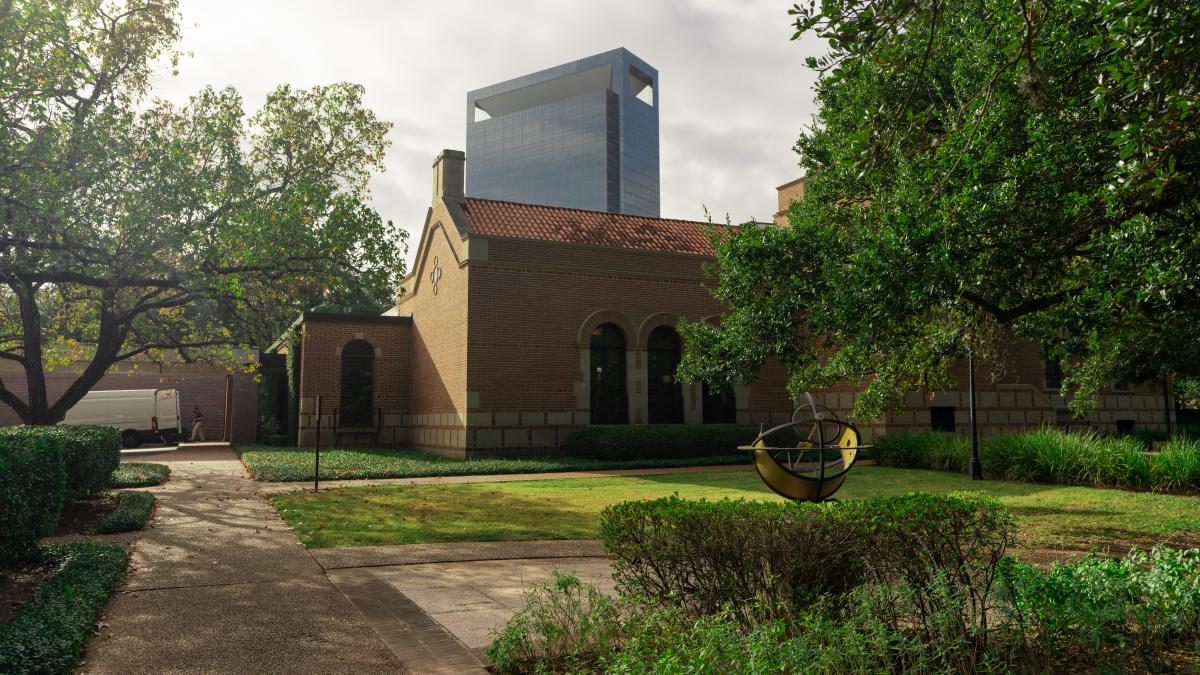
column 133, row 508
column 1111, row 610
column 702, row 555
column 90, row 454
column 670, row 441
column 139, row 474
column 33, row 483
column 565, row 625
column 273, row 465
column 1141, row 613
column 51, row 628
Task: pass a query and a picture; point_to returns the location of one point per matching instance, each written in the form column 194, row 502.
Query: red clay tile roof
column 552, row 223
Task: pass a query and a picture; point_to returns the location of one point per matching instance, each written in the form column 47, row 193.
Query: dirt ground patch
column 82, row 517
column 18, row 584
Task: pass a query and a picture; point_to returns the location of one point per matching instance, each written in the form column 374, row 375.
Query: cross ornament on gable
column 436, row 275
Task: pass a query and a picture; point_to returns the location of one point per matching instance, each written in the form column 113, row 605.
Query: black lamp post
column 974, row 470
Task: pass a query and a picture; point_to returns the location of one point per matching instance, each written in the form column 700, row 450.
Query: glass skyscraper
column 583, row 135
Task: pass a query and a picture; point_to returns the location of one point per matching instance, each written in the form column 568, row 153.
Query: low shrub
column 48, row 632
column 702, row 555
column 133, row 508
column 33, row 483
column 565, row 626
column 139, row 474
column 1050, row 455
column 667, row 441
column 90, row 454
column 1140, row 613
column 1112, row 611
column 923, row 450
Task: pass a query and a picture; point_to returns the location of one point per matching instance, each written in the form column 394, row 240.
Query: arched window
column 358, row 384
column 610, row 402
column 663, row 391
column 719, row 407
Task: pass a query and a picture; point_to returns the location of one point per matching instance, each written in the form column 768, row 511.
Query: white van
column 142, row 415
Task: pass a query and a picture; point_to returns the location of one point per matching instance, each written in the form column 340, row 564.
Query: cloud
column 733, row 90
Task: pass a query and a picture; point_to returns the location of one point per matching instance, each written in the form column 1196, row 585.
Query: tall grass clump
column 923, row 450
column 1177, row 467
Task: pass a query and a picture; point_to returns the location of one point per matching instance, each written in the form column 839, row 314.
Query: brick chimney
column 448, row 172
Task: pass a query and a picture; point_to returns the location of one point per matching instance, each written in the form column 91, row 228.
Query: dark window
column 941, row 418
column 1124, row 426
column 663, row 391
column 358, row 384
column 1054, row 375
column 719, row 407
column 610, row 402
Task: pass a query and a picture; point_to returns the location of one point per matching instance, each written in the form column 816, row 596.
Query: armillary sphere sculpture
column 815, row 467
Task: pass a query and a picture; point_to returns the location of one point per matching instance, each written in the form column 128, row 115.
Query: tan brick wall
column 787, row 194
column 321, row 345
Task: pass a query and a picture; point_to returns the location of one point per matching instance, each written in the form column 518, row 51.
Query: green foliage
column 293, row 382
column 702, row 555
column 139, row 474
column 1116, row 611
column 977, row 169
column 565, row 624
column 91, row 453
column 133, row 508
column 653, row 441
column 49, row 631
column 275, row 465
column 138, row 228
column 923, row 450
column 33, row 482
column 1049, row 455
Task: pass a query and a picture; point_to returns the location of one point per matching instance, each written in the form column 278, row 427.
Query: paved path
column 219, row 584
column 271, row 488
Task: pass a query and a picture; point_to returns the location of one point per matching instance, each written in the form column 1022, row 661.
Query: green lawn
column 1051, row 516
column 277, row 465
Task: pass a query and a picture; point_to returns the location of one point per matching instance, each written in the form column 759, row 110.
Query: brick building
column 520, row 324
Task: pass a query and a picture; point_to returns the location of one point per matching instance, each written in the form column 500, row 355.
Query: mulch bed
column 82, row 517
column 17, row 585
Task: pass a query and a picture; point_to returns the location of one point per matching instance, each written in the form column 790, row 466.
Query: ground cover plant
column 1050, row 518
column 51, row 627
column 139, row 474
column 133, row 508
column 274, row 464
column 926, row 588
column 1054, row 456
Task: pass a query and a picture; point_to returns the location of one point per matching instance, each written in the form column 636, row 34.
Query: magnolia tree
column 978, row 169
column 130, row 227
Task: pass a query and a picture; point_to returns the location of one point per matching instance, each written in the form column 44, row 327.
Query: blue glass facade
column 581, row 135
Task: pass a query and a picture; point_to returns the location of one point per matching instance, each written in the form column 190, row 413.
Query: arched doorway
column 358, row 384
column 663, row 391
column 610, row 402
column 719, row 407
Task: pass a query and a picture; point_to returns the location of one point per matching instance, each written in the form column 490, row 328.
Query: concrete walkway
column 219, row 584
column 273, row 488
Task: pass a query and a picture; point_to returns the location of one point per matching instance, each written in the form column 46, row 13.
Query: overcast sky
column 733, row 90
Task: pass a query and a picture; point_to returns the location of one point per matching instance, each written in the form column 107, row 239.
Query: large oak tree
column 130, row 227
column 976, row 169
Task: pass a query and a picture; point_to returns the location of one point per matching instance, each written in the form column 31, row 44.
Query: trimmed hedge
column 48, row 632
column 133, row 508
column 90, row 454
column 139, row 474
column 703, row 556
column 33, row 483
column 665, row 441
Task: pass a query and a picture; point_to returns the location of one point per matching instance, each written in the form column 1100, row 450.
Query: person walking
column 197, row 425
